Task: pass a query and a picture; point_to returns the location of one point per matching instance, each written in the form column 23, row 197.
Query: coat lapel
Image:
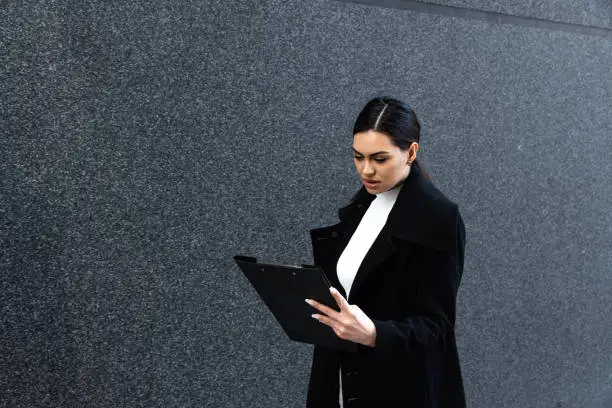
column 381, row 249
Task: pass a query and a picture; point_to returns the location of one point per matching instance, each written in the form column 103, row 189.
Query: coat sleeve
column 432, row 316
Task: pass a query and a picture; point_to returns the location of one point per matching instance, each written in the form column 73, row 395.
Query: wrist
column 372, row 339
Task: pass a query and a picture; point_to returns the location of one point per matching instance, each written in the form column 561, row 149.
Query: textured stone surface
column 142, row 145
column 596, row 13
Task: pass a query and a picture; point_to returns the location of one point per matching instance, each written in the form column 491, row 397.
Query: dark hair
column 394, row 118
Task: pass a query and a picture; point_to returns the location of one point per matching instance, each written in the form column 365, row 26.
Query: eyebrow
column 373, row 154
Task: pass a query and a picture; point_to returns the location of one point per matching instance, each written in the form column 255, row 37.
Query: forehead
column 371, row 141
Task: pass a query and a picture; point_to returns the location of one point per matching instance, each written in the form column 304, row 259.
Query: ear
column 412, row 151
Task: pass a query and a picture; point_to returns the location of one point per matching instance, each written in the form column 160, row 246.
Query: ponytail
column 422, row 170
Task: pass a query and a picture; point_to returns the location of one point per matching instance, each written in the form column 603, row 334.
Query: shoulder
column 425, row 216
column 437, row 207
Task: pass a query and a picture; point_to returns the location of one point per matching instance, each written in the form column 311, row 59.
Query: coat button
column 334, row 234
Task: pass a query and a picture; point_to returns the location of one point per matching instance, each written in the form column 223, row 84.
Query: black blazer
column 407, row 284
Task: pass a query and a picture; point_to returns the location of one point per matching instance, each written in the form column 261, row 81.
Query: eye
column 380, row 160
column 358, row 157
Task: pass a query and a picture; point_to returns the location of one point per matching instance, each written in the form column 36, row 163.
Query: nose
column 368, row 169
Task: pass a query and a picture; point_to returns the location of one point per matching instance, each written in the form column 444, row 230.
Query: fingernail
column 314, row 316
column 332, row 289
column 307, row 301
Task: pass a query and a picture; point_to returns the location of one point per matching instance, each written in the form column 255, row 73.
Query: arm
column 432, row 316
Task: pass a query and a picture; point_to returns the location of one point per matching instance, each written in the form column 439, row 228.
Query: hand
column 350, row 323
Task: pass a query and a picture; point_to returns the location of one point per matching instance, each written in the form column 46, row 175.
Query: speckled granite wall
column 142, row 145
column 588, row 12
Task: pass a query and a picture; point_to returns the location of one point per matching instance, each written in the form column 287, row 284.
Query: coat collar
column 421, row 214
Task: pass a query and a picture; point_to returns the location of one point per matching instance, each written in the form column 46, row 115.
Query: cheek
column 389, row 168
column 393, row 170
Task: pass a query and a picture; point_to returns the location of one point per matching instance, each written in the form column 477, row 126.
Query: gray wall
column 143, row 144
column 596, row 13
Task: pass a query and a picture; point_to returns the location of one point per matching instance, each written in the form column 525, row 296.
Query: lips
column 371, row 181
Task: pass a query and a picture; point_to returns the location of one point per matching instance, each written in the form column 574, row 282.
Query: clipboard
column 283, row 288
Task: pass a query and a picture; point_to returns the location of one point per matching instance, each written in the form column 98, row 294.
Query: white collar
column 389, row 196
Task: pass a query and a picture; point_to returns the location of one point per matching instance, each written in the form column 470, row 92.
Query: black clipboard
column 283, row 288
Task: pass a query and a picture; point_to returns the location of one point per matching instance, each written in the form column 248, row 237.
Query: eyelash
column 378, row 160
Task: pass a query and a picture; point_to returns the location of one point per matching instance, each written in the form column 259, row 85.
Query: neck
column 403, row 178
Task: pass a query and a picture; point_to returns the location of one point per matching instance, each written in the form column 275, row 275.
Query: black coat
column 407, row 284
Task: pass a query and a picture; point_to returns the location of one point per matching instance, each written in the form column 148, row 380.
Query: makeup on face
column 378, row 162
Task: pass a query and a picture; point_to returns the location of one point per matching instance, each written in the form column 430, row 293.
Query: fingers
column 323, row 319
column 342, row 303
column 331, row 318
column 339, row 330
column 351, row 323
column 322, row 308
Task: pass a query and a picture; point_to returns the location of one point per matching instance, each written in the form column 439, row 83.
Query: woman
column 395, row 261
